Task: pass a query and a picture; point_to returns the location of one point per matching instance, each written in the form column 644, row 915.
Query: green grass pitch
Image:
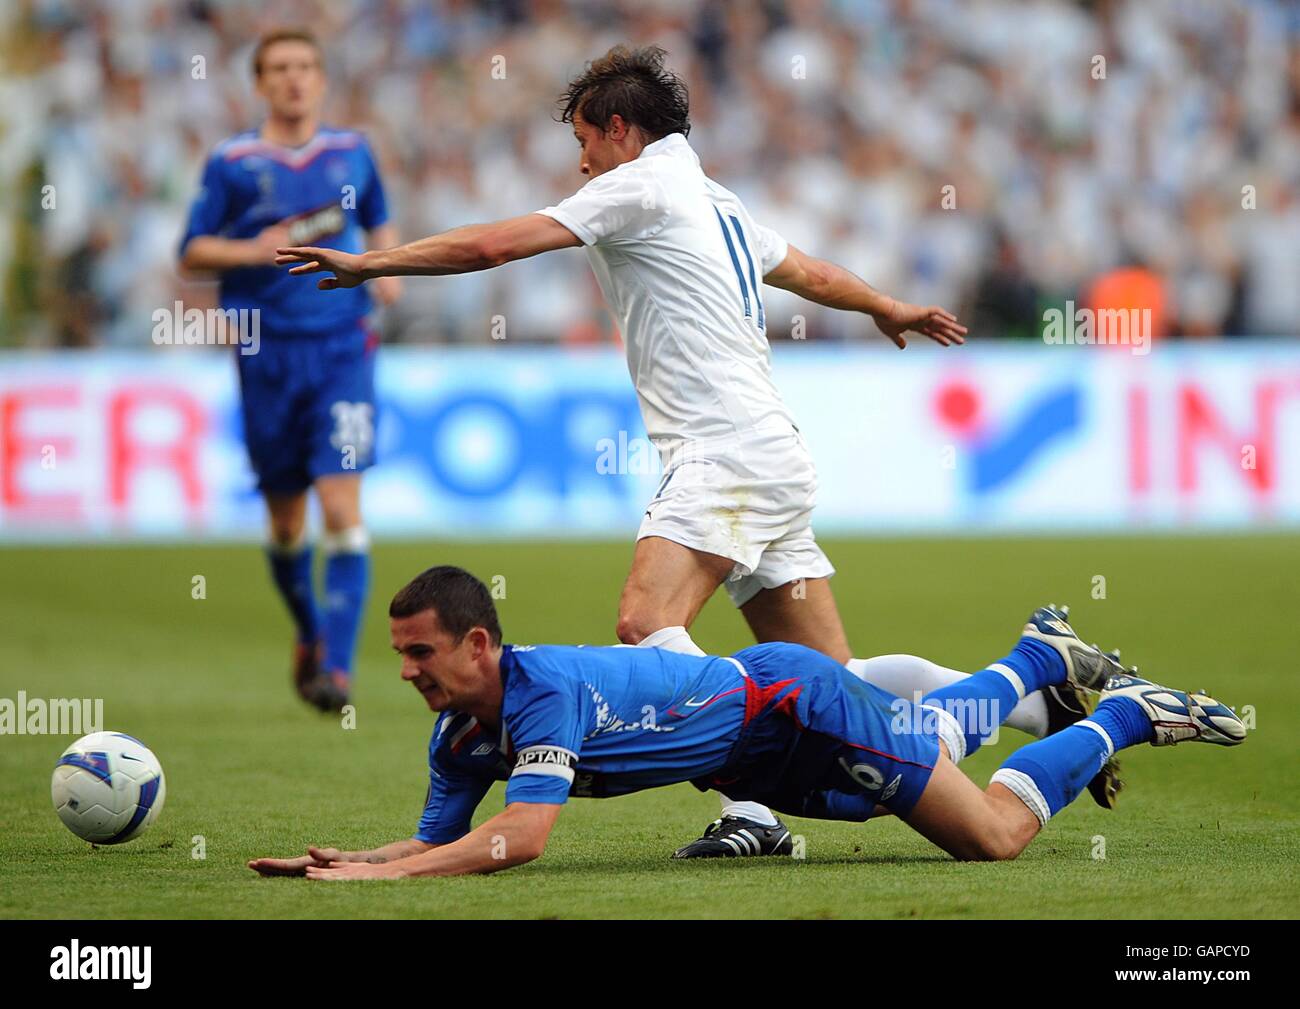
column 1200, row 831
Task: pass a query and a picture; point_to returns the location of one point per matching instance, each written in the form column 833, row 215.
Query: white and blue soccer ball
column 108, row 788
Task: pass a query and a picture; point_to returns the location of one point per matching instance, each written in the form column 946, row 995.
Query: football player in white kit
column 682, row 265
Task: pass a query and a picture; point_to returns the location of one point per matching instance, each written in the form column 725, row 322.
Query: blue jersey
column 329, row 193
column 588, row 722
column 776, row 722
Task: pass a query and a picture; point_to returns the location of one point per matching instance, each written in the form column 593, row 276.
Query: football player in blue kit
column 307, row 390
column 777, row 723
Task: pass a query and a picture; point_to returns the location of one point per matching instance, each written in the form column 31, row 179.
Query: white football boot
column 1178, row 716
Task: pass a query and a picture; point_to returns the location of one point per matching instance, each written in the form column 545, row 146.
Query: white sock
column 673, row 639
column 904, row 675
column 1030, row 715
column 353, row 540
column 747, row 810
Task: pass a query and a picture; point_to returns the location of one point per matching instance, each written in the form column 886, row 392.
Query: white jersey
column 681, row 264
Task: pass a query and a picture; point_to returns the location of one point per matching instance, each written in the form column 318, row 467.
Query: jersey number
column 735, row 262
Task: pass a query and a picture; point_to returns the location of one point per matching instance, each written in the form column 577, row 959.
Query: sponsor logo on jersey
column 607, row 721
column 314, row 225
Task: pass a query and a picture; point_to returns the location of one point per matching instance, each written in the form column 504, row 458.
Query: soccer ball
column 108, row 787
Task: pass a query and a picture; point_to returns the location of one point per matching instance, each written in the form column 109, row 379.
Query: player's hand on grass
column 335, row 871
column 318, row 857
column 937, row 323
column 345, row 266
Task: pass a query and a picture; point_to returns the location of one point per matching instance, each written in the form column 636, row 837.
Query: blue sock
column 1037, row 664
column 1124, row 721
column 347, row 579
column 1048, row 775
column 980, row 703
column 984, row 700
column 291, row 570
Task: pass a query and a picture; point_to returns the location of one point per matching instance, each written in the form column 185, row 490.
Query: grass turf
column 1200, row 831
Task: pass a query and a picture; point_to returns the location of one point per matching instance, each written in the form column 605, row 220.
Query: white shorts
column 747, row 497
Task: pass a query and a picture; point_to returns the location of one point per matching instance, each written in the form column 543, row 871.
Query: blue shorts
column 308, row 407
column 819, row 742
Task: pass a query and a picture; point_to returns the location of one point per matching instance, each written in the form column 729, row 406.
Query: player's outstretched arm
column 321, row 857
column 386, row 290
column 512, row 837
column 825, row 283
column 461, row 250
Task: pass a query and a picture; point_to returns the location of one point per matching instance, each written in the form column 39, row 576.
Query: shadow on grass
column 703, row 865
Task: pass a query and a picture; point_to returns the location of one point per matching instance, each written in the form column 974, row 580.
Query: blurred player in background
column 308, row 401
column 681, row 264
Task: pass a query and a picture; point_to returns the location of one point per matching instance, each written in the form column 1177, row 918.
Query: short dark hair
column 634, row 84
column 461, row 601
column 275, row 35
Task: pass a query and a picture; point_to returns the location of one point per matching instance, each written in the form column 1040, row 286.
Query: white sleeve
column 772, row 248
column 625, row 204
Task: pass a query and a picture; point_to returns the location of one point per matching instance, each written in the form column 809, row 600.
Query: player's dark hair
column 634, row 84
column 275, row 35
column 461, row 601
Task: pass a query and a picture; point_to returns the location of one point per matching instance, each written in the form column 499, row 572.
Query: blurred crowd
column 995, row 156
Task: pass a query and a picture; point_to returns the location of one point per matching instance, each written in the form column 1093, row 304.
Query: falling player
column 776, row 723
column 308, row 402
column 681, row 264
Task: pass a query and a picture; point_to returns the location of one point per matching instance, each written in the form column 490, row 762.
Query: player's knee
column 340, row 502
column 996, row 844
column 637, row 621
column 631, row 629
column 286, row 532
column 340, row 517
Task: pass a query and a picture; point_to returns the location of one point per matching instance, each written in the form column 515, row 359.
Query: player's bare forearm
column 512, row 837
column 471, row 248
column 321, row 857
column 461, row 250
column 825, row 283
column 216, row 254
column 386, row 289
column 393, row 852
